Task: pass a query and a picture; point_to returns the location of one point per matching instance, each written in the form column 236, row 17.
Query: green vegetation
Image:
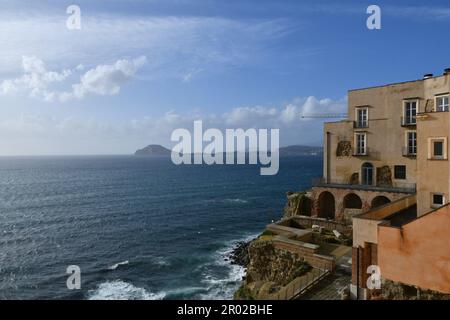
column 244, row 293
column 303, row 268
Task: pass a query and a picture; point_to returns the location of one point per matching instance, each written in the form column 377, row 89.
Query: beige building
column 393, row 143
column 386, row 170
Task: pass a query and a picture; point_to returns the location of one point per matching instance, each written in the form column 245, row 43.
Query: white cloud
column 104, row 79
column 311, row 106
column 36, row 78
column 101, row 80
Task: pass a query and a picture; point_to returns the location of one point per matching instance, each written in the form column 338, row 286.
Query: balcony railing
column 408, row 121
column 361, row 153
column 409, row 152
column 336, row 183
column 432, row 109
column 360, row 124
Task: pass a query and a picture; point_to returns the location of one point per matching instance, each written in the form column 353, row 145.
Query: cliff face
column 298, row 203
column 268, row 263
column 269, row 269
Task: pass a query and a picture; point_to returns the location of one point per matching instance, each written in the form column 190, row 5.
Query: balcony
column 409, row 152
column 341, row 184
column 360, row 124
column 408, row 121
column 433, row 109
column 361, row 153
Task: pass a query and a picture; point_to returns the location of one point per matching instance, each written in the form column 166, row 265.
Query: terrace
column 398, row 187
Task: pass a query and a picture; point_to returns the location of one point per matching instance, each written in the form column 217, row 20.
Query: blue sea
column 138, row 227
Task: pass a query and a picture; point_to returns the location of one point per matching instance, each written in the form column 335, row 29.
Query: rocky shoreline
column 239, row 255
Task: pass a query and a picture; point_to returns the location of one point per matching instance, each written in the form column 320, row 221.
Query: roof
column 394, row 83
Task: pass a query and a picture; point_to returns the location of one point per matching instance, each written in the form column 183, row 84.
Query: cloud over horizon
column 75, row 135
column 101, row 80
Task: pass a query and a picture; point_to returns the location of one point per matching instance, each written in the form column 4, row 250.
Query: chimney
column 428, row 76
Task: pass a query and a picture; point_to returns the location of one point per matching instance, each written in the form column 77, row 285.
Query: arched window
column 367, row 174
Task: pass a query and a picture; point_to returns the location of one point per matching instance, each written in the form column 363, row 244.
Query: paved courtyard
column 330, row 288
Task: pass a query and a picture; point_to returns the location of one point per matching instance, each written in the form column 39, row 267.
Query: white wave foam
column 121, row 290
column 161, row 261
column 185, row 291
column 224, row 287
column 237, row 200
column 227, row 200
column 115, row 266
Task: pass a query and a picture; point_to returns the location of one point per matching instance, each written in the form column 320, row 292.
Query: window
column 441, row 103
column 437, row 200
column 399, row 172
column 367, row 174
column 437, row 148
column 411, row 143
column 410, row 111
column 360, row 142
column 362, row 117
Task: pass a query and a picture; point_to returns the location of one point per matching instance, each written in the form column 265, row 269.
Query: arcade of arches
column 336, row 203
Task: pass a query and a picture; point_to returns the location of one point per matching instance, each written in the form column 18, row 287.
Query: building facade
column 372, row 157
column 386, row 171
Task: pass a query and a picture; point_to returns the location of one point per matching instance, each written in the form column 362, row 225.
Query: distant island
column 295, row 150
column 153, row 150
column 298, row 150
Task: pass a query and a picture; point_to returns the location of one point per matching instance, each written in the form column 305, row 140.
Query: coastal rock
column 269, row 269
column 298, row 203
column 239, row 255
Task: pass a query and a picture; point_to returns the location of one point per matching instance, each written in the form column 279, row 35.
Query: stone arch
column 352, row 201
column 379, row 201
column 326, row 204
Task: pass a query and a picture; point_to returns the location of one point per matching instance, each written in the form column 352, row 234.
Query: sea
column 136, row 227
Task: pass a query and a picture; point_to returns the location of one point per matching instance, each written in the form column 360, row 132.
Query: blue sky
column 139, row 69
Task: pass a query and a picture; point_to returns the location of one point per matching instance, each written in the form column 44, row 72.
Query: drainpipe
column 357, row 273
column 328, row 142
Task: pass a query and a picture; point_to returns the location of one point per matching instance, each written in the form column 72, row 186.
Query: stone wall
column 307, row 251
column 308, row 222
column 270, row 269
column 391, row 290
